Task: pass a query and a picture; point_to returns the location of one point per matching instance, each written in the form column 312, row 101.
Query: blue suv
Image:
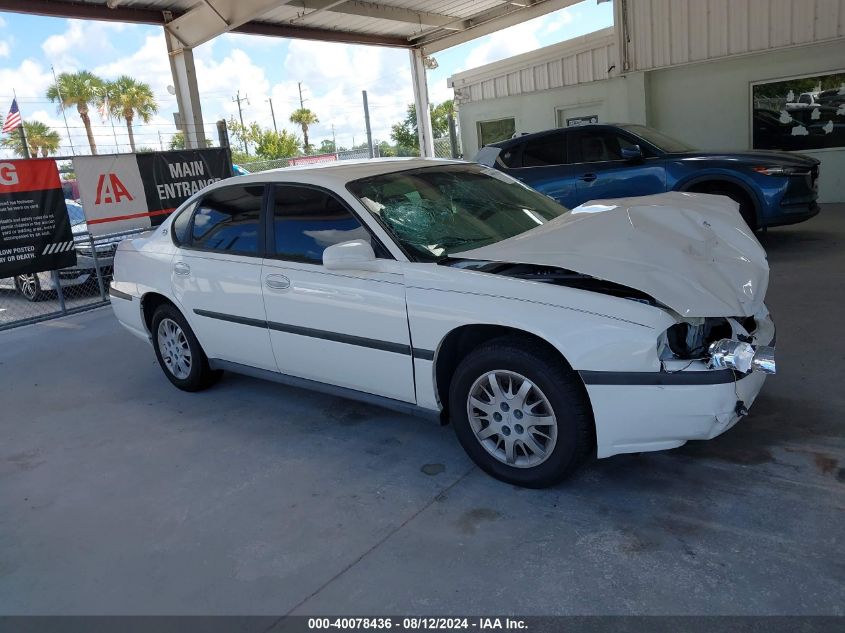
column 577, row 164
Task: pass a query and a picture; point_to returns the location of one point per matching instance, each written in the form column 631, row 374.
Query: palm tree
column 303, row 117
column 40, row 138
column 79, row 89
column 128, row 99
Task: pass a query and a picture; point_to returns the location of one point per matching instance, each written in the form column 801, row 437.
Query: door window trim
column 382, row 252
column 260, row 240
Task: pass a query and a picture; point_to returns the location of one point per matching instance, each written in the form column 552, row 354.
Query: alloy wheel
column 512, row 418
column 28, row 286
column 174, row 348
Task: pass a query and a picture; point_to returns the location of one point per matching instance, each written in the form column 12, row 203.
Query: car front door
column 345, row 328
column 542, row 163
column 216, row 276
column 602, row 172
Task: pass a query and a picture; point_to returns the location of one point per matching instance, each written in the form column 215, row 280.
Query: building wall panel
column 669, row 32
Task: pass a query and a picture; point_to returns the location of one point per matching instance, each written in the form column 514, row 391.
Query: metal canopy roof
column 431, row 25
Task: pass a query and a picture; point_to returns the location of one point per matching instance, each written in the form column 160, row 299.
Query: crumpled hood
column 691, row 252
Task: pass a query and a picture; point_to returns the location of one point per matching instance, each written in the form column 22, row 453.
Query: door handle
column 589, row 177
column 277, row 282
column 181, row 268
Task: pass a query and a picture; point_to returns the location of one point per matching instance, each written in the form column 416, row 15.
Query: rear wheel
column 520, row 414
column 29, row 287
column 179, row 353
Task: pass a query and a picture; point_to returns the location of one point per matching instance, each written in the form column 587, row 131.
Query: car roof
column 340, row 172
column 532, row 135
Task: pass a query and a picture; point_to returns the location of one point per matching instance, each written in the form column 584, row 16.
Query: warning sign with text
column 35, row 233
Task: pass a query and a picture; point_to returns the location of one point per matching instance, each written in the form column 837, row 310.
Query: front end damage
column 690, row 256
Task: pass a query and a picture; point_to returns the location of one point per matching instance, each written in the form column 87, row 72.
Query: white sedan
column 542, row 335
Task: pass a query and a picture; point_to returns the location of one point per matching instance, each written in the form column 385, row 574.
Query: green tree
column 129, row 99
column 327, row 146
column 271, row 145
column 405, row 133
column 244, row 134
column 40, row 137
column 177, row 141
column 79, row 90
column 304, row 118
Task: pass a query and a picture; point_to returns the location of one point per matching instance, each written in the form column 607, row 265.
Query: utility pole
column 334, row 140
column 301, row 100
column 160, row 142
column 367, row 121
column 273, row 114
column 238, row 100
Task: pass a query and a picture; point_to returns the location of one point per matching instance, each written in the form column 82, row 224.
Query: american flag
column 13, row 119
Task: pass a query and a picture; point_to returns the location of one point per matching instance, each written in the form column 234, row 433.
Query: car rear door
column 216, row 276
column 601, row 172
column 344, row 328
column 543, row 163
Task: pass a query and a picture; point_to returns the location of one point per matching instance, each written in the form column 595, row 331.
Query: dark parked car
column 574, row 165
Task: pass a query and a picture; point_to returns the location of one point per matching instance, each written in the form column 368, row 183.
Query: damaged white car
column 541, row 334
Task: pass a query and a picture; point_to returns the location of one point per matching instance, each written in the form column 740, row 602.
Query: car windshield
column 659, row 139
column 435, row 212
column 75, row 213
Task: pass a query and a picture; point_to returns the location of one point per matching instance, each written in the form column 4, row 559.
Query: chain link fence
column 46, row 295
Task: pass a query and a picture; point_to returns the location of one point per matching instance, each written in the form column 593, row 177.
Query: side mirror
column 632, row 154
column 352, row 255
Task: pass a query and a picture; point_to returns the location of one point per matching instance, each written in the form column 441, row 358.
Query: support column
column 421, row 103
column 187, row 93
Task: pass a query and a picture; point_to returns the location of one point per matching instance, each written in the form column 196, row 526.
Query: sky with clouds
column 261, row 68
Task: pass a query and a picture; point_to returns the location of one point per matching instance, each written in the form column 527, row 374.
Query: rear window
column 227, row 220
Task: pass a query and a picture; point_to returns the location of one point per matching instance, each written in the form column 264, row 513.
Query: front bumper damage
column 650, row 411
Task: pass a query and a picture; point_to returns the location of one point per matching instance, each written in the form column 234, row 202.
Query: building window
column 799, row 114
column 495, row 131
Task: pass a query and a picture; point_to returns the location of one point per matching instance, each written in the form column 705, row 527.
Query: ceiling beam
column 484, row 23
column 146, row 15
column 373, row 10
column 211, row 18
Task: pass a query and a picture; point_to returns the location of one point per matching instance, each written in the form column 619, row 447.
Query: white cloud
column 2, row 23
column 4, row 48
column 62, row 49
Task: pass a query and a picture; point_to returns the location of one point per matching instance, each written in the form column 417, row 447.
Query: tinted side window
column 547, row 150
column 601, row 145
column 181, row 225
column 228, row 220
column 306, row 221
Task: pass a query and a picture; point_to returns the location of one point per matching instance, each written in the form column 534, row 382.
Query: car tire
column 541, row 454
column 29, row 287
column 746, row 207
column 179, row 353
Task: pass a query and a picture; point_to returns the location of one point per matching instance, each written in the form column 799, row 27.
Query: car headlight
column 741, row 356
column 781, row 171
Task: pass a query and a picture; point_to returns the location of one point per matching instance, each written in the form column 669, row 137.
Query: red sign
column 28, row 175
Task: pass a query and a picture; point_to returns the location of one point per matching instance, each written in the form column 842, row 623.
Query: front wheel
column 521, row 414
column 29, row 287
column 179, row 353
